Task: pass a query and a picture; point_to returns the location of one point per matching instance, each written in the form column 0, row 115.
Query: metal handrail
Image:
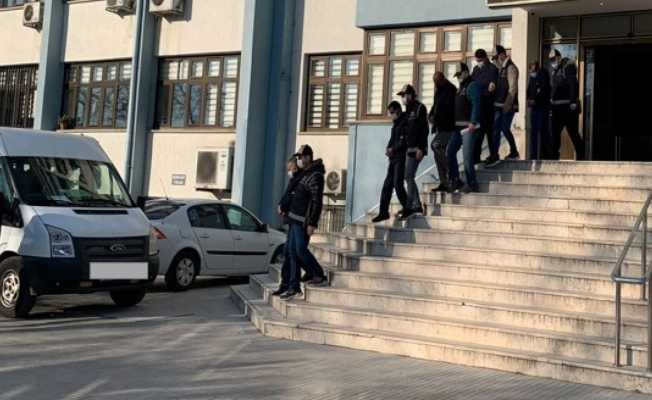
column 618, row 278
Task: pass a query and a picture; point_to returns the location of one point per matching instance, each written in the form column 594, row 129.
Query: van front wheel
column 15, row 298
column 127, row 298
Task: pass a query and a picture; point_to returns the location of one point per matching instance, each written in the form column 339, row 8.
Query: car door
column 214, row 237
column 251, row 240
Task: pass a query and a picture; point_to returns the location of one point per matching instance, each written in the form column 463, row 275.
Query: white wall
column 19, row 44
column 92, row 33
column 212, row 26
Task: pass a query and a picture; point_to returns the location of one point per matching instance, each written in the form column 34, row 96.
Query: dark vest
column 463, row 105
column 502, row 87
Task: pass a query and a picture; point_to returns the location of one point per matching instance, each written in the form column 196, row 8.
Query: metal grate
column 332, row 219
column 17, row 95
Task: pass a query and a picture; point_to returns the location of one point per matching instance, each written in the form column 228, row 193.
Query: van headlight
column 61, row 245
column 153, row 245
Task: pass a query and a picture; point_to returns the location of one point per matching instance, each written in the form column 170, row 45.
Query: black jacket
column 286, row 200
column 565, row 86
column 538, row 89
column 484, row 76
column 417, row 128
column 306, row 204
column 397, row 141
column 442, row 113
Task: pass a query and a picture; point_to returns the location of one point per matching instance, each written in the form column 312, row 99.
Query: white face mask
column 290, row 174
column 533, row 74
column 300, row 163
column 554, row 64
column 480, row 63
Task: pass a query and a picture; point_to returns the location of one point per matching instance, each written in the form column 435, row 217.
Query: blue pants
column 287, row 265
column 467, row 142
column 300, row 254
column 503, row 125
column 540, row 139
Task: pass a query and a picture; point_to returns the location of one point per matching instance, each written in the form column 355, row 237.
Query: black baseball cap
column 407, row 89
column 480, row 53
column 500, row 50
column 304, row 150
column 463, row 67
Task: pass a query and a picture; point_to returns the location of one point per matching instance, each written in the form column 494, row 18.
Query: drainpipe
column 141, row 9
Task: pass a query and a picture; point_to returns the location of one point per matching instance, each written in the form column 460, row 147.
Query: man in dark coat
column 442, row 118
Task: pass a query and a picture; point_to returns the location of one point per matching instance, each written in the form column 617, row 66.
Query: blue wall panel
column 380, row 13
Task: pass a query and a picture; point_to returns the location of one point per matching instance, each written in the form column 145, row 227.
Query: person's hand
column 471, row 128
column 492, row 87
column 389, row 152
column 419, row 155
column 311, row 230
column 573, row 106
column 280, row 212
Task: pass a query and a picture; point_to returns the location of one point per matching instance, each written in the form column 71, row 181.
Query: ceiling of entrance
column 581, row 7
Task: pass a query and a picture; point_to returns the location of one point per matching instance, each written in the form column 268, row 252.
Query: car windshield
column 160, row 210
column 44, row 181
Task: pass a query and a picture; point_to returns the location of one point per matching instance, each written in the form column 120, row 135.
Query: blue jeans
column 301, row 255
column 540, row 139
column 503, row 125
column 467, row 143
column 287, row 265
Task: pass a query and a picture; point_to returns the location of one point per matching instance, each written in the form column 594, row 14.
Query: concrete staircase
column 515, row 278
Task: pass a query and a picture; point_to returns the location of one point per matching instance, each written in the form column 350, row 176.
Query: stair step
column 580, row 371
column 566, row 179
column 578, row 167
column 574, row 192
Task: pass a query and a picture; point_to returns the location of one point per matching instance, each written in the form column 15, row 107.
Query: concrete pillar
column 50, row 83
column 142, row 99
column 525, row 49
column 266, row 125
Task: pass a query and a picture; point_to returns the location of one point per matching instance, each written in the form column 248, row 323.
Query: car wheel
column 128, row 297
column 15, row 298
column 279, row 255
column 183, row 271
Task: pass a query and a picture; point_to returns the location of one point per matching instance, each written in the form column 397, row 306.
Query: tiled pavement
column 195, row 345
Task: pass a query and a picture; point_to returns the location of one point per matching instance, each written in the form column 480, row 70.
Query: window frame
column 205, row 82
column 325, row 81
column 18, row 85
column 438, row 58
column 73, row 86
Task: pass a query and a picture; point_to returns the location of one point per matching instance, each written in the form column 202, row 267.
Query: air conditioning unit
column 33, row 14
column 335, row 182
column 121, row 6
column 166, row 7
column 214, row 168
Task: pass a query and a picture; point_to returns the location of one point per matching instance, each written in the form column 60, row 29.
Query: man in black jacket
column 442, row 118
column 565, row 104
column 304, row 214
column 395, row 151
column 485, row 75
column 538, row 100
column 416, row 130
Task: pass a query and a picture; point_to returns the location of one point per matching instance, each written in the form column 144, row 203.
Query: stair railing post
column 644, row 252
column 618, row 325
column 649, row 325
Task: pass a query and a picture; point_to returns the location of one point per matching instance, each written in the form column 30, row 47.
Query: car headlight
column 153, row 239
column 61, row 245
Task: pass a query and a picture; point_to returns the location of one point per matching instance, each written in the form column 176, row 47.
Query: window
column 396, row 57
column 97, row 95
column 206, row 216
column 17, row 96
column 11, row 3
column 241, row 220
column 198, row 92
column 333, row 86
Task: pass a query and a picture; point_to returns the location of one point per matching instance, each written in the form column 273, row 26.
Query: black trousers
column 563, row 116
column 486, row 127
column 394, row 181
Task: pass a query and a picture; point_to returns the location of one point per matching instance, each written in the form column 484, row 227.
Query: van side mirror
column 140, row 202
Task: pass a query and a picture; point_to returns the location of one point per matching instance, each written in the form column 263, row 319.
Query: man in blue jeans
column 467, row 121
column 506, row 105
column 304, row 214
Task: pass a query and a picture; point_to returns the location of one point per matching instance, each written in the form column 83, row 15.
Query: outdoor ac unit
column 335, row 182
column 121, row 6
column 214, row 168
column 166, row 7
column 33, row 15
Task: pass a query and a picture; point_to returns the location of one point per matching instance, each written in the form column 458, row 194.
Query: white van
column 68, row 224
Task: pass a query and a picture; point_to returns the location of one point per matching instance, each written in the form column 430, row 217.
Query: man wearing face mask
column 506, row 105
column 485, row 74
column 395, row 151
column 565, row 104
column 538, row 100
column 304, row 214
column 417, row 130
column 442, row 118
column 468, row 106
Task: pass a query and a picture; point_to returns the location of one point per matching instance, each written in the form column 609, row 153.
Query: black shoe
column 455, row 186
column 380, row 218
column 513, row 156
column 291, row 294
column 418, row 210
column 470, row 189
column 400, row 213
column 441, row 188
column 406, row 214
column 280, row 291
column 492, row 161
column 306, row 278
column 318, row 281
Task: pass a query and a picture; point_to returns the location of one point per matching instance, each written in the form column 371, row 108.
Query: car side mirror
column 140, row 202
column 264, row 228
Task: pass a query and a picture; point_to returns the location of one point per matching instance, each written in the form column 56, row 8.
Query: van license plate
column 118, row 270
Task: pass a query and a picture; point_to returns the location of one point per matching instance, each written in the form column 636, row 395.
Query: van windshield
column 43, row 181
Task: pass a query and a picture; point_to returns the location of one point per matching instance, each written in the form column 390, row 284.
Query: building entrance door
column 618, row 89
